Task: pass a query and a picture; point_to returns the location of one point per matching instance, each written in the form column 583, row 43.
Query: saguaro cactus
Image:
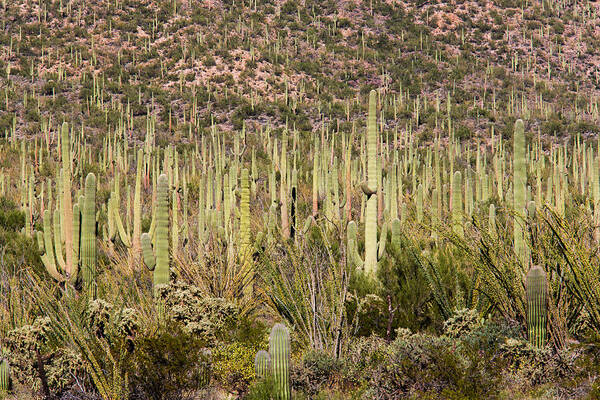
column 536, row 306
column 457, row 209
column 245, row 255
column 70, row 268
column 159, row 263
column 374, row 249
column 279, row 349
column 371, row 189
column 4, row 375
column 519, row 188
column 262, row 364
column 88, row 252
column 83, row 231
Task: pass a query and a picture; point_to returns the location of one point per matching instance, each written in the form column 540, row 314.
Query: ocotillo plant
column 536, row 306
column 262, row 364
column 279, row 349
column 159, row 263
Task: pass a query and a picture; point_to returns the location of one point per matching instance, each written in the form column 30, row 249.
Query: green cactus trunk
column 519, row 189
column 536, row 306
column 279, row 349
column 262, row 364
column 4, row 376
column 88, row 236
column 370, row 265
column 159, row 263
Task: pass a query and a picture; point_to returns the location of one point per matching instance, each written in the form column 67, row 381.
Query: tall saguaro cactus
column 536, row 306
column 457, row 208
column 519, row 188
column 279, row 349
column 159, row 263
column 88, row 253
column 66, row 201
column 245, row 254
column 371, row 189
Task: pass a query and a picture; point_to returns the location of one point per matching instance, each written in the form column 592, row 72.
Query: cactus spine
column 536, row 306
column 279, row 349
column 159, row 263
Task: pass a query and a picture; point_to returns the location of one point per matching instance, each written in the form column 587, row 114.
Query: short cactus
column 279, row 349
column 262, row 364
column 4, row 375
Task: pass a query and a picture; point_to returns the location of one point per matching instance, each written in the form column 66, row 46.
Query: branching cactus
column 262, row 364
column 536, row 306
column 279, row 349
column 50, row 244
column 370, row 189
column 159, row 263
column 374, row 249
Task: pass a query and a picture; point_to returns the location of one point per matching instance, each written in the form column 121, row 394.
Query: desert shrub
column 37, row 363
column 168, row 364
column 233, row 365
column 426, row 364
column 462, row 322
column 202, row 316
column 317, row 370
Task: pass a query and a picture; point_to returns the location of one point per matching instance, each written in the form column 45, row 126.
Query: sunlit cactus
column 159, row 263
column 537, row 306
column 279, row 350
column 262, row 364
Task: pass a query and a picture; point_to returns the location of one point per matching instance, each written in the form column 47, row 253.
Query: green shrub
column 168, row 364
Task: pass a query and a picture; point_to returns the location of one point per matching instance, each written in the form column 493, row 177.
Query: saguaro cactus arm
column 147, row 252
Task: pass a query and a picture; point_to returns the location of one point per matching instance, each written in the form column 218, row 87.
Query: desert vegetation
column 263, row 199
